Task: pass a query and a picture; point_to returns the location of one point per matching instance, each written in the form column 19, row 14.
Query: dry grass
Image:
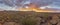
column 26, row 18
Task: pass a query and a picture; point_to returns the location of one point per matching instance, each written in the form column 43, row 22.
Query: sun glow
column 36, row 10
column 33, row 7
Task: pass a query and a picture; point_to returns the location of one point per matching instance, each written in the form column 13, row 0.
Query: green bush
column 30, row 21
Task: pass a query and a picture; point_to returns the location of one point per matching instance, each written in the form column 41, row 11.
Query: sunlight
column 42, row 7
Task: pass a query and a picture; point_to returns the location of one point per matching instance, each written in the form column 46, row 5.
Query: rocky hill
column 20, row 18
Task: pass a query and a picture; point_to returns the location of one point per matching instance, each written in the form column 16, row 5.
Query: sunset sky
column 13, row 4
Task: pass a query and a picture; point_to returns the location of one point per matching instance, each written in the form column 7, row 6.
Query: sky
column 13, row 4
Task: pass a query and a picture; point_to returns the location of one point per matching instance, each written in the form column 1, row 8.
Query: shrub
column 30, row 21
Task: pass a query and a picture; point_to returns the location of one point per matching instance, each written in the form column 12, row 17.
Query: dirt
column 46, row 18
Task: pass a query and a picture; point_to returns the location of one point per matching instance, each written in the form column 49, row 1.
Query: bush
column 30, row 21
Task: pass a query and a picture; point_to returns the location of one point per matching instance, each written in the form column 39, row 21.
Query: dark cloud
column 38, row 2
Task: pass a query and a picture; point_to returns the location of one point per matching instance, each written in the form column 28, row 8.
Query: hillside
column 15, row 17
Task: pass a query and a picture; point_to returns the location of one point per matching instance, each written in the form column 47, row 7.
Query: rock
column 0, row 24
column 55, row 19
column 58, row 23
column 49, row 23
column 10, row 23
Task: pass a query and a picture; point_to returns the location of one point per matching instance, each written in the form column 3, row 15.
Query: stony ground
column 14, row 17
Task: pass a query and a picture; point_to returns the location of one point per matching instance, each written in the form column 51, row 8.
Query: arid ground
column 29, row 18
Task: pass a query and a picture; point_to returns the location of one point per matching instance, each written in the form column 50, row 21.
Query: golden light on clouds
column 36, row 10
column 33, row 7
